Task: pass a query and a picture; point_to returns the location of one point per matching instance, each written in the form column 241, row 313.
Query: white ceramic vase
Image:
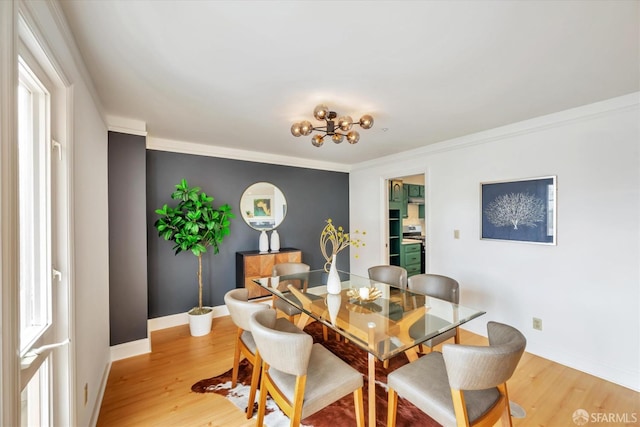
column 334, row 286
column 275, row 241
column 263, row 245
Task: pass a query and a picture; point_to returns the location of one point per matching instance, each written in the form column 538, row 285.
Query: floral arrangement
column 333, row 240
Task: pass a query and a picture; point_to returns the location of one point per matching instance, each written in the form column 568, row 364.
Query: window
column 34, row 184
column 34, row 207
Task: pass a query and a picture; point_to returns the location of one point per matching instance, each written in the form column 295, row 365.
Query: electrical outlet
column 537, row 324
column 86, row 393
column 456, row 234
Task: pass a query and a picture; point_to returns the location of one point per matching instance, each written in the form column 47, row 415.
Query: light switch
column 456, row 234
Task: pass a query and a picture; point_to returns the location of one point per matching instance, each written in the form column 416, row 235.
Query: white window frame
column 20, row 35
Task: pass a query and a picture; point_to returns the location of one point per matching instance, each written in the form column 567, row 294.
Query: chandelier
column 336, row 129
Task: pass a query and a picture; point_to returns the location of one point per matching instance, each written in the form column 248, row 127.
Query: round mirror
column 263, row 206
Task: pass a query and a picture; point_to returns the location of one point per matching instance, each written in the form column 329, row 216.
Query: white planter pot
column 200, row 324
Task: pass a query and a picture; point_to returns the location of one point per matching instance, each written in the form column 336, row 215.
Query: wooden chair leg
column 358, row 403
column 236, row 359
column 456, row 338
column 392, row 408
column 298, row 400
column 262, row 403
column 255, row 377
column 506, row 413
column 459, row 407
column 325, row 333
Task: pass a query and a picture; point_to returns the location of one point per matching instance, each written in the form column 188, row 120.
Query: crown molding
column 577, row 114
column 160, row 144
column 125, row 125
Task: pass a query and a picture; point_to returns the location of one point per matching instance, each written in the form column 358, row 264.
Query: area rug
column 338, row 414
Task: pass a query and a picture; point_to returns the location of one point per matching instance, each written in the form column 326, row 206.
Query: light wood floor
column 155, row 389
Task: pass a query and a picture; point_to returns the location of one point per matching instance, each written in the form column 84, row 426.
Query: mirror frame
column 263, row 206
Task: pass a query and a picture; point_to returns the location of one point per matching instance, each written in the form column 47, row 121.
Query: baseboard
column 130, row 349
column 98, row 402
column 165, row 322
column 143, row 346
column 179, row 319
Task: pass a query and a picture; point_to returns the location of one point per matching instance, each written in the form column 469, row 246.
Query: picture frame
column 262, row 207
column 522, row 210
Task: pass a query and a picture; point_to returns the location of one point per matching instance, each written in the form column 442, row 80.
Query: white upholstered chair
column 463, row 385
column 301, row 377
column 442, row 287
column 241, row 310
column 284, row 269
column 391, row 274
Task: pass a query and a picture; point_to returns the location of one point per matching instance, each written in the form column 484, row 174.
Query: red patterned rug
column 340, row 413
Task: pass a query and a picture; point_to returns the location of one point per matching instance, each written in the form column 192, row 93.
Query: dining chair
column 441, row 287
column 241, row 310
column 464, row 385
column 284, row 269
column 300, row 376
column 392, row 274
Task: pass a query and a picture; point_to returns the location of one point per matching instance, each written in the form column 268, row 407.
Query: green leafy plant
column 194, row 225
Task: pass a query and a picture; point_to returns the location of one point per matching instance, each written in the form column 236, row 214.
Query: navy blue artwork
column 520, row 210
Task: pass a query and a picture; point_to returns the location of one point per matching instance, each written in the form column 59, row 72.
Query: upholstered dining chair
column 284, row 269
column 437, row 286
column 463, row 385
column 301, row 377
column 392, row 274
column 241, row 310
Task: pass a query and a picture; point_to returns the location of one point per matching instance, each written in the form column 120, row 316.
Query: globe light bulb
column 295, row 129
column 320, row 112
column 353, row 137
column 306, row 127
column 337, row 138
column 344, row 123
column 366, row 121
column 317, row 140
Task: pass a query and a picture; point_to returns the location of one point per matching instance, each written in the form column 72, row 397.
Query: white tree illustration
column 516, row 209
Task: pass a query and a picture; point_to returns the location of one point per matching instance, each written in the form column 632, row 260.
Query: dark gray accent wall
column 312, row 197
column 127, row 238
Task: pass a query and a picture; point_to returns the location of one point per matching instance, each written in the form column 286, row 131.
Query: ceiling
column 237, row 74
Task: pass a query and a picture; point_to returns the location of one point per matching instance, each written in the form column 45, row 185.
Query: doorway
column 406, row 223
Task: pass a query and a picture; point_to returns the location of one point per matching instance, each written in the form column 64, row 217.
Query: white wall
column 90, row 264
column 586, row 289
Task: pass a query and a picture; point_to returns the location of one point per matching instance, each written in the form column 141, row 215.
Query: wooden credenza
column 253, row 264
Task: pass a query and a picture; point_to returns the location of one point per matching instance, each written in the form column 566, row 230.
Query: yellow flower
column 333, row 240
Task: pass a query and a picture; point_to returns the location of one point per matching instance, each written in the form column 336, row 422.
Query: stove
column 413, row 232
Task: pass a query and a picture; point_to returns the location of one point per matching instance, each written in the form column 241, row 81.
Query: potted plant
column 194, row 225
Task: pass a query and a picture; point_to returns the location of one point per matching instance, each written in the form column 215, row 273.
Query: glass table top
column 397, row 320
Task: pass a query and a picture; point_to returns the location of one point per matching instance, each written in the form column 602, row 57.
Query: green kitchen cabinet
column 410, row 254
column 405, row 201
column 395, row 191
column 414, row 190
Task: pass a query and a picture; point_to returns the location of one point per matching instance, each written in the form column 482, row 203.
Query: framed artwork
column 262, row 207
column 522, row 211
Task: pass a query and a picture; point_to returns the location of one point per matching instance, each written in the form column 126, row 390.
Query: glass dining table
column 382, row 319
